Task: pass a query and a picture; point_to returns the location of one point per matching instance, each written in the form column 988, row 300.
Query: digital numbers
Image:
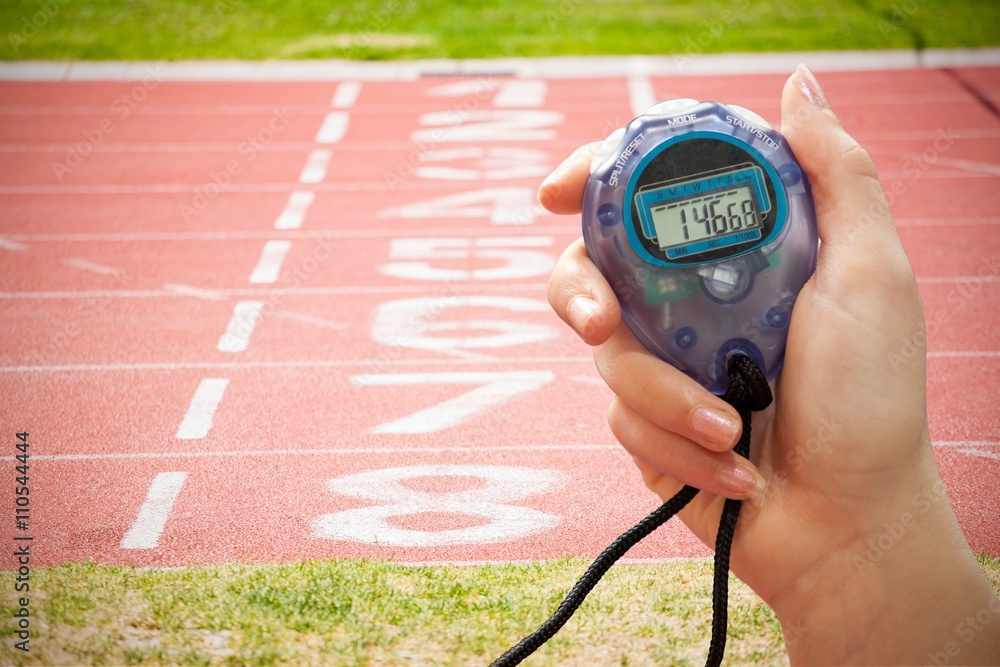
column 712, row 221
column 699, row 218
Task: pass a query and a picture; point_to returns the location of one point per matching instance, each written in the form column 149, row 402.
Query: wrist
column 904, row 590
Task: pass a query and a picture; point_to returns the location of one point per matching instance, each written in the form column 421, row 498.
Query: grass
column 375, row 613
column 262, row 29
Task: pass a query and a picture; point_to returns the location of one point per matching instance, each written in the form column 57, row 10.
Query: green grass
column 377, row 613
column 184, row 29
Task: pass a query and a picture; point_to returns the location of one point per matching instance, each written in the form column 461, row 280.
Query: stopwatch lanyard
column 748, row 391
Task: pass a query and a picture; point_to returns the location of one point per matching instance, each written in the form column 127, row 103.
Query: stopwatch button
column 750, row 116
column 607, row 149
column 686, row 338
column 671, row 107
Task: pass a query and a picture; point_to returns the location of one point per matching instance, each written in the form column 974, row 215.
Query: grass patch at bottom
column 380, row 613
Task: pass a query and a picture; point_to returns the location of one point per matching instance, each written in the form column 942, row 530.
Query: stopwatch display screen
column 701, row 199
column 704, row 214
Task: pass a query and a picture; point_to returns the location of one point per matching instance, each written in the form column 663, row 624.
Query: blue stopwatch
column 702, row 221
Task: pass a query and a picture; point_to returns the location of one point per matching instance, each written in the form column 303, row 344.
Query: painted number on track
column 492, row 502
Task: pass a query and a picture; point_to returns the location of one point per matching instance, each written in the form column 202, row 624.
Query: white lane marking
column 7, row 244
column 558, row 67
column 177, row 289
column 981, row 453
column 269, row 266
column 379, row 186
column 378, row 232
column 149, row 524
column 316, row 164
column 346, row 95
column 947, row 354
column 336, row 363
column 350, row 451
column 334, row 127
column 377, row 451
column 92, row 267
column 315, row 321
column 640, row 94
column 295, row 210
column 317, row 363
column 521, row 93
column 966, row 443
column 241, row 325
column 198, row 419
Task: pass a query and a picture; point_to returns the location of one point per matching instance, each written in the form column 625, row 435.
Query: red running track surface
column 222, row 353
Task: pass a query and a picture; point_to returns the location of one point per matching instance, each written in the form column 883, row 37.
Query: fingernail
column 717, row 427
column 579, row 311
column 549, row 190
column 811, row 89
column 740, row 479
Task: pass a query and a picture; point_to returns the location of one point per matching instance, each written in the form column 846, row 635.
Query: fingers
column 722, row 473
column 582, row 297
column 665, row 396
column 562, row 190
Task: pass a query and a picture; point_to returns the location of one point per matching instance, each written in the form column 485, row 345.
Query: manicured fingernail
column 717, row 427
column 811, row 89
column 550, row 188
column 741, row 479
column 579, row 311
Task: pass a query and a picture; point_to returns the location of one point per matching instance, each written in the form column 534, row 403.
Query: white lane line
column 334, row 127
column 981, row 453
column 307, row 363
column 376, row 451
column 145, row 532
column 377, row 232
column 557, row 67
column 241, row 325
column 269, row 266
column 295, row 210
column 886, row 178
column 271, row 291
column 346, row 95
column 178, row 289
column 351, row 451
column 947, row 354
column 7, row 244
column 173, row 290
column 315, row 321
column 521, row 93
column 198, row 419
column 92, row 267
column 316, row 164
column 335, row 363
column 640, row 94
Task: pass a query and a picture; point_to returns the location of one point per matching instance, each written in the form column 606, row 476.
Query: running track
column 274, row 321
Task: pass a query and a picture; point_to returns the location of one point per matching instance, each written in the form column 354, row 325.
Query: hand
column 842, row 460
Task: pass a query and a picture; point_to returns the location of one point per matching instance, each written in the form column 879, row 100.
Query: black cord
column 748, row 391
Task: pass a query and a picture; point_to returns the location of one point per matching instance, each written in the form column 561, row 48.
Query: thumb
column 852, row 215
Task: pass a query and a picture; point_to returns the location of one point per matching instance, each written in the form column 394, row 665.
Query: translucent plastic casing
column 691, row 306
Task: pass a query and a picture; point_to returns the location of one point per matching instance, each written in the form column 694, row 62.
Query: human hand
column 844, row 453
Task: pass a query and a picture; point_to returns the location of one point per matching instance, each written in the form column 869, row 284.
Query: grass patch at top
column 196, row 29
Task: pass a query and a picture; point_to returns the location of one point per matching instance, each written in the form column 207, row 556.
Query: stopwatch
column 702, row 221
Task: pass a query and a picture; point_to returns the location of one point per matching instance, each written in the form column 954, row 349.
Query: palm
column 818, row 471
